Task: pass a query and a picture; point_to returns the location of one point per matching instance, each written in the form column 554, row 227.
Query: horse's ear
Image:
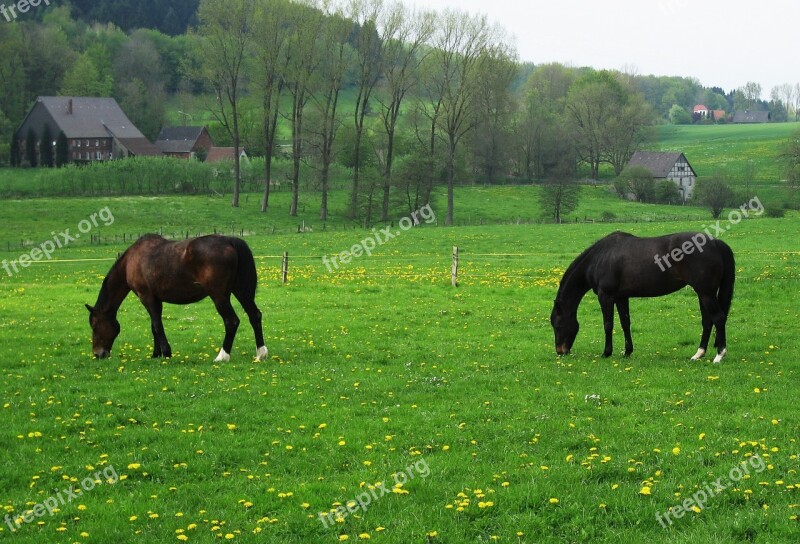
column 90, row 308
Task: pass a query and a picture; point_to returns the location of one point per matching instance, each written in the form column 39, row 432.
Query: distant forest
column 401, row 98
column 172, row 17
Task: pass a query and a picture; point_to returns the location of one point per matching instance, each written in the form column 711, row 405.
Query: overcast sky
column 721, row 43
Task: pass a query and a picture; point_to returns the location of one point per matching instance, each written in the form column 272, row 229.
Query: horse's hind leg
column 720, row 341
column 607, row 307
column 254, row 314
column 623, row 308
column 713, row 316
column 231, row 321
column 161, row 347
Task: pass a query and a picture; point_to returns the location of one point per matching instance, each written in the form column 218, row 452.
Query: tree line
column 405, row 99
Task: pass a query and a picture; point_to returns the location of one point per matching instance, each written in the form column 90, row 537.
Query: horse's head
column 105, row 330
column 565, row 326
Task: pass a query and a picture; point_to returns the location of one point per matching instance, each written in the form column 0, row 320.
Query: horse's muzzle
column 562, row 349
column 101, row 353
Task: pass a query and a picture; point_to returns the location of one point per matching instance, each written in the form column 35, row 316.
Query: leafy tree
column 678, row 115
column 638, row 181
column 46, row 147
column 30, row 148
column 666, row 192
column 559, row 196
column 593, row 105
column 412, row 180
column 790, row 156
column 714, row 193
column 494, row 104
column 748, row 97
column 14, row 150
column 84, row 79
column 62, row 149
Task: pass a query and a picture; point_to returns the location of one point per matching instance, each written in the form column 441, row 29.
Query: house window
column 99, row 156
column 79, row 143
column 97, row 143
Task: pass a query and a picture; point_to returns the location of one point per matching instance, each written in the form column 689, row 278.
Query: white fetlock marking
column 222, row 357
column 262, row 353
column 720, row 356
column 699, row 355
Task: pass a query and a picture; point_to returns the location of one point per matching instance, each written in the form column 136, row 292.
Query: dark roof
column 140, row 147
column 751, row 117
column 658, row 162
column 88, row 117
column 178, row 139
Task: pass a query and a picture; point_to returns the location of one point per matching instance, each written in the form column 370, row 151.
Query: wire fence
column 462, row 267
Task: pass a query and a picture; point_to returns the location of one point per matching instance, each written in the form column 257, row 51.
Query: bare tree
column 369, row 50
column 327, row 84
column 224, row 40
column 458, row 44
column 271, row 37
column 302, row 52
column 402, row 57
column 494, row 103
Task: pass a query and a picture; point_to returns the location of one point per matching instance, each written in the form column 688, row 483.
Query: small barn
column 671, row 165
column 184, row 142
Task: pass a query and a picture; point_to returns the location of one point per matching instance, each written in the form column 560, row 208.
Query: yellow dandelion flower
column 645, row 490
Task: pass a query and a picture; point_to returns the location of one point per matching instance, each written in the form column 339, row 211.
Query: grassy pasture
column 728, row 148
column 382, row 368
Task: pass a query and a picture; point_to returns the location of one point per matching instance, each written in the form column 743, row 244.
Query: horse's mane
column 580, row 261
column 103, row 296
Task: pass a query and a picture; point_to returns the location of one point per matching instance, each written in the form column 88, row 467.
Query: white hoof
column 222, row 357
column 720, row 356
column 262, row 353
column 699, row 355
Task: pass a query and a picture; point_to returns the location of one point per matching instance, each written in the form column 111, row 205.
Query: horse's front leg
column 231, row 321
column 161, row 347
column 607, row 307
column 623, row 308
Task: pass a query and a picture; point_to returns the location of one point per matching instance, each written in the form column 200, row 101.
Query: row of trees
column 402, row 98
column 434, row 90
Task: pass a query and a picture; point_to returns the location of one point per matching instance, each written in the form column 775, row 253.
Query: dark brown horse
column 621, row 266
column 159, row 271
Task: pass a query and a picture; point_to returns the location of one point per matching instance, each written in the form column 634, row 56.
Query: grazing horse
column 183, row 272
column 621, row 266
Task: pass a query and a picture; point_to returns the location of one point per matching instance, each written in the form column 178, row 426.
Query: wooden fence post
column 454, row 269
column 285, row 267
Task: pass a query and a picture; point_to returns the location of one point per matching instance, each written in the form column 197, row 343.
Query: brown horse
column 621, row 266
column 184, row 272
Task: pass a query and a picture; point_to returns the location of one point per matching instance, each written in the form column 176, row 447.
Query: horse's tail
column 725, row 295
column 246, row 275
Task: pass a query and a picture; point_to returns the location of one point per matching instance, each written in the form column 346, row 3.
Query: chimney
column 69, row 107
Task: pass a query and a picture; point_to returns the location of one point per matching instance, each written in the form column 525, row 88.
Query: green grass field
column 382, row 374
column 728, row 148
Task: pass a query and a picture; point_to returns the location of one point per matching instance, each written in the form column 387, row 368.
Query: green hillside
column 728, row 148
